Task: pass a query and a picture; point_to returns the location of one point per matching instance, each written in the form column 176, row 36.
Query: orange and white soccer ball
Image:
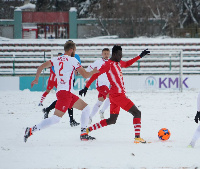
column 164, row 134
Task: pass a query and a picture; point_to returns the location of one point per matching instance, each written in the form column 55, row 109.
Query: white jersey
column 102, row 79
column 64, row 67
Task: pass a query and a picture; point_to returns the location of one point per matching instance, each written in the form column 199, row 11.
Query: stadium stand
column 23, row 58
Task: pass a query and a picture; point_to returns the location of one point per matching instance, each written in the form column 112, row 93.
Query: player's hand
column 144, row 52
column 197, row 117
column 34, row 82
column 83, row 91
column 95, row 70
column 75, row 72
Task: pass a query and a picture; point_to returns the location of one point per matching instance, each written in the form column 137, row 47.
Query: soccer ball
column 164, row 134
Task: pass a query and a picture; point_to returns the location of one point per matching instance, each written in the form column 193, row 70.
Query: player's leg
column 43, row 97
column 197, row 132
column 105, row 94
column 48, row 109
column 64, row 100
column 114, row 112
column 96, row 108
column 195, row 137
column 97, row 104
column 137, row 123
column 72, row 120
column 84, row 107
column 71, row 113
column 44, row 124
column 51, row 84
column 125, row 103
column 106, row 104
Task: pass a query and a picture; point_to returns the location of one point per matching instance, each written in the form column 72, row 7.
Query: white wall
column 9, row 83
column 160, row 82
column 132, row 82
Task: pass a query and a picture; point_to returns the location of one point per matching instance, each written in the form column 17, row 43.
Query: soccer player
column 52, row 82
column 102, row 85
column 117, row 91
column 70, row 111
column 196, row 135
column 64, row 69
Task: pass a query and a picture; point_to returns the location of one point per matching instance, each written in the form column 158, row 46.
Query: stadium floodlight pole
column 13, row 64
column 43, row 75
column 181, row 71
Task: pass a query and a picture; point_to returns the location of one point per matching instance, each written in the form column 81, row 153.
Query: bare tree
column 7, row 8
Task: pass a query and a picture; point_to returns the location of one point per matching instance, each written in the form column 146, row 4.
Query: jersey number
column 61, row 68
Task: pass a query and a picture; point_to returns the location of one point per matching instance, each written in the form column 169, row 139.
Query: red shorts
column 103, row 91
column 65, row 100
column 51, row 84
column 119, row 100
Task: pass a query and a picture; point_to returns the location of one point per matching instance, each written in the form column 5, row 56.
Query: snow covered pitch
column 59, row 146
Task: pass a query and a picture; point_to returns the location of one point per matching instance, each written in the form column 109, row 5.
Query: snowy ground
column 60, row 147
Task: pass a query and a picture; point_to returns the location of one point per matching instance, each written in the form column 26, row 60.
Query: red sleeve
column 129, row 62
column 104, row 68
column 51, row 62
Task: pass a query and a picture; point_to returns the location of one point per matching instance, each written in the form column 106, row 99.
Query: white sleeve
column 52, row 61
column 91, row 67
column 198, row 102
column 76, row 63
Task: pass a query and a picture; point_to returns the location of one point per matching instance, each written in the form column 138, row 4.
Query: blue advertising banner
column 25, row 83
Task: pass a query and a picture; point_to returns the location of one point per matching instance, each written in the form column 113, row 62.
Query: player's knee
column 112, row 120
column 55, row 119
column 137, row 114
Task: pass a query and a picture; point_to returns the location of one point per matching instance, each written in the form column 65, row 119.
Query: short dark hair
column 69, row 45
column 116, row 48
column 59, row 53
column 69, row 40
column 105, row 49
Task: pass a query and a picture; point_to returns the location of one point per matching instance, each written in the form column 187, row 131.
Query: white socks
column 85, row 116
column 195, row 136
column 105, row 105
column 95, row 108
column 98, row 104
column 46, row 123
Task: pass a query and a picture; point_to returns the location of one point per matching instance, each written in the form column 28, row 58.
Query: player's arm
column 130, row 62
column 90, row 68
column 75, row 72
column 39, row 70
column 102, row 70
column 86, row 74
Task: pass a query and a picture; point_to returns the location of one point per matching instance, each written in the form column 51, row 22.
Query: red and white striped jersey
column 52, row 76
column 64, row 67
column 114, row 74
column 102, row 79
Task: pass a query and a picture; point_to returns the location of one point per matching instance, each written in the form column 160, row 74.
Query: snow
column 18, row 9
column 140, row 40
column 59, row 146
column 27, row 6
column 73, row 9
